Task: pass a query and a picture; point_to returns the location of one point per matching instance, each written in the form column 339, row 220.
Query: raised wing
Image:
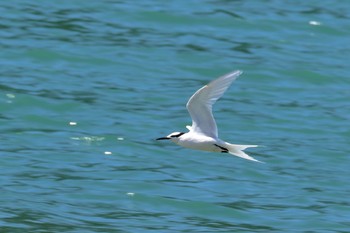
column 200, row 104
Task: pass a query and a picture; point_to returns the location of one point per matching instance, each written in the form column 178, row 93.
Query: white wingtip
column 235, row 73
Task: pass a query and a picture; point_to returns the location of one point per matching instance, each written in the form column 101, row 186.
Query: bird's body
column 199, row 142
column 203, row 134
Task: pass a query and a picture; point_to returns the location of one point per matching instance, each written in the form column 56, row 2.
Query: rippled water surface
column 86, row 87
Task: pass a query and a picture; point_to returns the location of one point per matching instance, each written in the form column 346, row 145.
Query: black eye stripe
column 177, row 135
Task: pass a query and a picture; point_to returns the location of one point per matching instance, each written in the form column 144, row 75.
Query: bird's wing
column 200, row 104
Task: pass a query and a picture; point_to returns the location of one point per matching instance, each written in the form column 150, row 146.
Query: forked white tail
column 238, row 150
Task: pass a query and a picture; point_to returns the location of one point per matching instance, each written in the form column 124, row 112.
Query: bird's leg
column 224, row 150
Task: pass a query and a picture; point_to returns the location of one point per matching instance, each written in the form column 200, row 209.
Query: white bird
column 203, row 134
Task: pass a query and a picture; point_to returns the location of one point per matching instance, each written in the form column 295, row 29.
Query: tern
column 203, row 134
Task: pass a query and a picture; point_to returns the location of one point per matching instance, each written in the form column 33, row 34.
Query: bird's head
column 173, row 136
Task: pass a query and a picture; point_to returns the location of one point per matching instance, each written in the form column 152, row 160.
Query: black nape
column 177, row 135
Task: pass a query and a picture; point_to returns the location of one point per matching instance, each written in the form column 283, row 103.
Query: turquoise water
column 86, row 87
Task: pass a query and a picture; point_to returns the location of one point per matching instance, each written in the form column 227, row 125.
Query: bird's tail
column 238, row 150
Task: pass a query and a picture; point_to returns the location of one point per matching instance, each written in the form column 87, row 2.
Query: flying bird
column 203, row 134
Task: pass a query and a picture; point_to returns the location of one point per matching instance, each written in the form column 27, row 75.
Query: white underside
column 199, row 142
column 205, row 143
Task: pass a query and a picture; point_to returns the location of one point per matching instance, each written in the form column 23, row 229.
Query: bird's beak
column 163, row 138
